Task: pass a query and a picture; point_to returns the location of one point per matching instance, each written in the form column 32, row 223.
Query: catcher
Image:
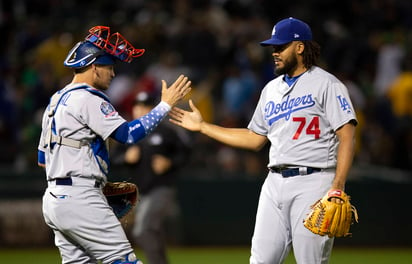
column 72, row 149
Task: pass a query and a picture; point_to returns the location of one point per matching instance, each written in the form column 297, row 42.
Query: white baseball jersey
column 82, row 115
column 300, row 120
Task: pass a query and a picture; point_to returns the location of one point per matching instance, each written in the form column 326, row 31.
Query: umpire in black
column 156, row 161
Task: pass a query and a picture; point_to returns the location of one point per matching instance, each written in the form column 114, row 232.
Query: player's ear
column 95, row 70
column 300, row 47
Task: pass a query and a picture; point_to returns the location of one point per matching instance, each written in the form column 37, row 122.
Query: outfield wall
column 218, row 211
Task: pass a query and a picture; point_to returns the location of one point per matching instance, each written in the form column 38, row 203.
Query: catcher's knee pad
column 128, row 259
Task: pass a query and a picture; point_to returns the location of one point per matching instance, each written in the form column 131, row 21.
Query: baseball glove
column 331, row 218
column 121, row 196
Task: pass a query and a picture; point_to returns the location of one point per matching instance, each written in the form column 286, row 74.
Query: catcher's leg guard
column 128, row 259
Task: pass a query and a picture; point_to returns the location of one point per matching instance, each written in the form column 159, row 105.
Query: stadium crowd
column 367, row 44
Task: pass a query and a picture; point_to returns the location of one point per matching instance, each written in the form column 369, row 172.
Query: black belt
column 69, row 182
column 290, row 172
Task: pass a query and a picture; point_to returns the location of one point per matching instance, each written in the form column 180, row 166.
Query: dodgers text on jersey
column 275, row 111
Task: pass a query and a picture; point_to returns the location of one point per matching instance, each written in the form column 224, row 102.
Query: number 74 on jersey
column 311, row 129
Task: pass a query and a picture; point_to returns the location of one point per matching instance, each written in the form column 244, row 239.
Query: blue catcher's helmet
column 85, row 53
column 101, row 47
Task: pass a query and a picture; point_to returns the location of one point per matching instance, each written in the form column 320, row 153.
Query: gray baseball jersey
column 300, row 120
column 82, row 115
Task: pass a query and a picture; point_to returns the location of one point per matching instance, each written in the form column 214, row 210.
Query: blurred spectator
column 389, row 60
column 168, row 67
column 400, row 96
column 120, row 88
column 9, row 116
column 239, row 89
column 400, row 90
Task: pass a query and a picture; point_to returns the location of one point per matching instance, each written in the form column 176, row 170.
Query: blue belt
column 291, row 172
column 69, row 182
column 64, row 181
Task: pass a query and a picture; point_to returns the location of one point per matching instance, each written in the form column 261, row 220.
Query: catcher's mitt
column 121, row 196
column 331, row 218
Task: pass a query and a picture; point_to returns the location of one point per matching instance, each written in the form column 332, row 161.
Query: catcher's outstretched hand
column 177, row 91
column 186, row 119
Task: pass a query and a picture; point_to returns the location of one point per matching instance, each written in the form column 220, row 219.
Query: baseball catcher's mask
column 114, row 44
column 101, row 47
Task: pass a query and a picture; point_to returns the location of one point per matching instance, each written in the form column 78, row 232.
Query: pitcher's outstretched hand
column 186, row 119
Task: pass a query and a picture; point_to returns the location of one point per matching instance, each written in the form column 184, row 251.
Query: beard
column 289, row 65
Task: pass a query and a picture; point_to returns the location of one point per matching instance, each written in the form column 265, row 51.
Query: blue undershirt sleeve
column 41, row 158
column 133, row 131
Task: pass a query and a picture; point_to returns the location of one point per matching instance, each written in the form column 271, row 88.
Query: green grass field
column 222, row 256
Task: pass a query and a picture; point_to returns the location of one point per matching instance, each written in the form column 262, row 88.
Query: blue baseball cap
column 288, row 30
